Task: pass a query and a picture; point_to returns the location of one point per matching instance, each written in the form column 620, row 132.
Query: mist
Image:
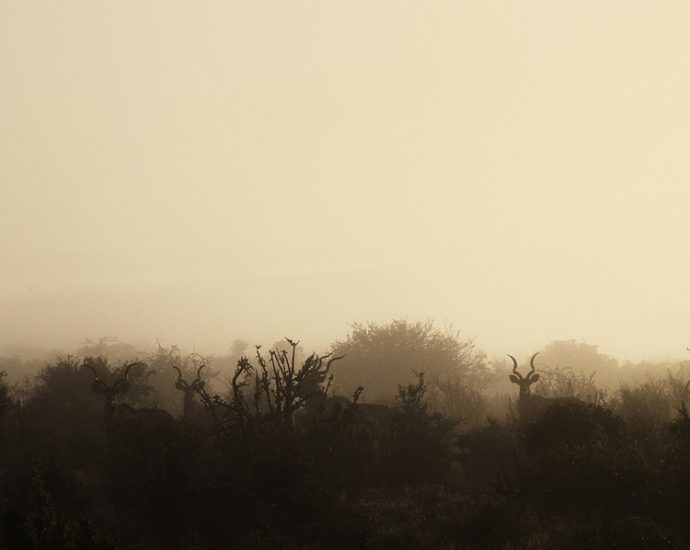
column 197, row 174
column 344, row 275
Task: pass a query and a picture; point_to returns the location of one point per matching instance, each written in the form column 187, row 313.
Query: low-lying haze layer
column 203, row 172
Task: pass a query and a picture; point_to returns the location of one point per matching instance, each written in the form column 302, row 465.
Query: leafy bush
column 381, row 357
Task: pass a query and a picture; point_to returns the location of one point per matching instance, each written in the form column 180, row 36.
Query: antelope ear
column 533, row 378
column 514, row 379
column 122, row 387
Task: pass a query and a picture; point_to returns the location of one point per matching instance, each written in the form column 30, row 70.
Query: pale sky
column 204, row 171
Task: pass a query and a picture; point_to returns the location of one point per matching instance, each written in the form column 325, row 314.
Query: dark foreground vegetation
column 164, row 452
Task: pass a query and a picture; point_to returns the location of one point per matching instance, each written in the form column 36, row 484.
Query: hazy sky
column 203, row 171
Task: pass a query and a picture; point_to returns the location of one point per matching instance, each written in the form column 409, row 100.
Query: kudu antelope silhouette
column 189, row 389
column 110, row 392
column 351, row 414
column 319, row 406
column 115, row 415
column 531, row 407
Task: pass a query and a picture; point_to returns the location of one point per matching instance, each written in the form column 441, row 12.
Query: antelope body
column 122, row 415
column 189, row 389
column 110, row 392
column 531, row 407
column 349, row 414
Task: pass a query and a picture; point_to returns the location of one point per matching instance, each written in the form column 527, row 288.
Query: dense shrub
column 273, row 471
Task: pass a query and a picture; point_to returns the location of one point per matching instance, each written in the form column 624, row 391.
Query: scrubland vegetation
column 400, row 436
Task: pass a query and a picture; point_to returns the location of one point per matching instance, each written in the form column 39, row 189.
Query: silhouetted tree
column 579, row 358
column 382, row 357
column 265, row 396
column 419, row 447
column 110, row 348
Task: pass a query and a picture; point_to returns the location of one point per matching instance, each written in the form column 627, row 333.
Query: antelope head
column 524, row 381
column 110, row 392
column 189, row 387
